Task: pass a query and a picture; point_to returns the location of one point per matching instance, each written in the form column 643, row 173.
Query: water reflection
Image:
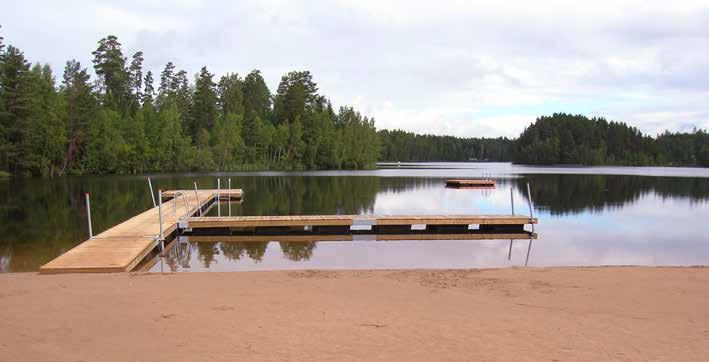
column 186, row 254
column 585, row 219
column 563, row 194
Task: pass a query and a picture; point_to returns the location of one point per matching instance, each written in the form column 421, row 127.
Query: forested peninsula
column 578, row 140
column 124, row 120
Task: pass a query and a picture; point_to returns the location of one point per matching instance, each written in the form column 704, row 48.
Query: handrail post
column 229, row 195
column 219, row 205
column 187, row 204
column 160, row 236
column 196, row 195
column 174, row 203
column 152, row 194
column 531, row 213
column 88, row 215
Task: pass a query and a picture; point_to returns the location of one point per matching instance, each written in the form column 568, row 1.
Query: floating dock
column 470, row 183
column 307, row 238
column 354, row 220
column 122, row 247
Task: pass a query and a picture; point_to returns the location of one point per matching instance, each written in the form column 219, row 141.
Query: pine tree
column 135, row 73
column 297, row 94
column 80, row 107
column 204, row 108
column 148, row 95
column 17, row 107
column 167, row 80
column 257, row 97
column 113, row 79
column 230, row 91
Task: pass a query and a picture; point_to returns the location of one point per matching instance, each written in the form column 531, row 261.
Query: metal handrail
column 174, row 204
column 161, row 238
column 531, row 212
column 196, row 195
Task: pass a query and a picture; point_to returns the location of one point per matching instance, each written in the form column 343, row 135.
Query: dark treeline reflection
column 42, row 218
column 563, row 194
column 303, row 195
column 180, row 255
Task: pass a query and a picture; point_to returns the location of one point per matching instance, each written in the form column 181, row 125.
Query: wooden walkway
column 351, row 237
column 122, row 247
column 350, row 220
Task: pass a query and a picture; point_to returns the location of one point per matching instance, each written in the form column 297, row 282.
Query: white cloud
column 468, row 68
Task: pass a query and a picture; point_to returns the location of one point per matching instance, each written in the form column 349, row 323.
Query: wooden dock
column 462, row 183
column 352, row 237
column 352, row 220
column 122, row 247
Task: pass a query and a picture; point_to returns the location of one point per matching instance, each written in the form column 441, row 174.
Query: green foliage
column 114, row 79
column 204, row 104
column 16, row 100
column 575, row 139
column 403, row 146
column 257, row 97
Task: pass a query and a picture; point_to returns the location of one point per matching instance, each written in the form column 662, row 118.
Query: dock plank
column 348, row 220
column 351, row 237
column 122, row 247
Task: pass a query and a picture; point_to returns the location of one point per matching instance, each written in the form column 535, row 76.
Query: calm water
column 588, row 216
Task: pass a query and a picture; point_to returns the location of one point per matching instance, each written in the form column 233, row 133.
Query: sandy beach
column 611, row 313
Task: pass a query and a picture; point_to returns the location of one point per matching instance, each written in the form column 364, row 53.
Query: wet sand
column 628, row 313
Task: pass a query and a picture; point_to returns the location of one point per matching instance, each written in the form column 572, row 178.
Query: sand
column 628, row 313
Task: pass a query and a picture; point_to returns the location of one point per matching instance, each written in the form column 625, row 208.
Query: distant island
column 119, row 123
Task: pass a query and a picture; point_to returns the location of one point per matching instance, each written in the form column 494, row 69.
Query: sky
column 463, row 68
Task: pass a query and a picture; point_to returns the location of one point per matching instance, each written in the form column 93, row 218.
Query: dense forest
column 127, row 120
column 404, row 146
column 120, row 122
column 576, row 139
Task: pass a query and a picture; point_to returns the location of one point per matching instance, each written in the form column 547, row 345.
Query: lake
column 587, row 216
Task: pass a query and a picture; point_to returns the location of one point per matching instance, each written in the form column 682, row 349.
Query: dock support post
column 196, row 195
column 512, row 200
column 88, row 215
column 160, row 237
column 219, row 205
column 509, row 254
column 152, row 194
column 229, row 195
column 529, row 197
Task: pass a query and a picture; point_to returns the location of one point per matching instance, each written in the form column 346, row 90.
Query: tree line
column 127, row 121
column 575, row 139
column 398, row 145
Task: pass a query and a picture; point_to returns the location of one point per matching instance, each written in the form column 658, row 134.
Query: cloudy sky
column 464, row 68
